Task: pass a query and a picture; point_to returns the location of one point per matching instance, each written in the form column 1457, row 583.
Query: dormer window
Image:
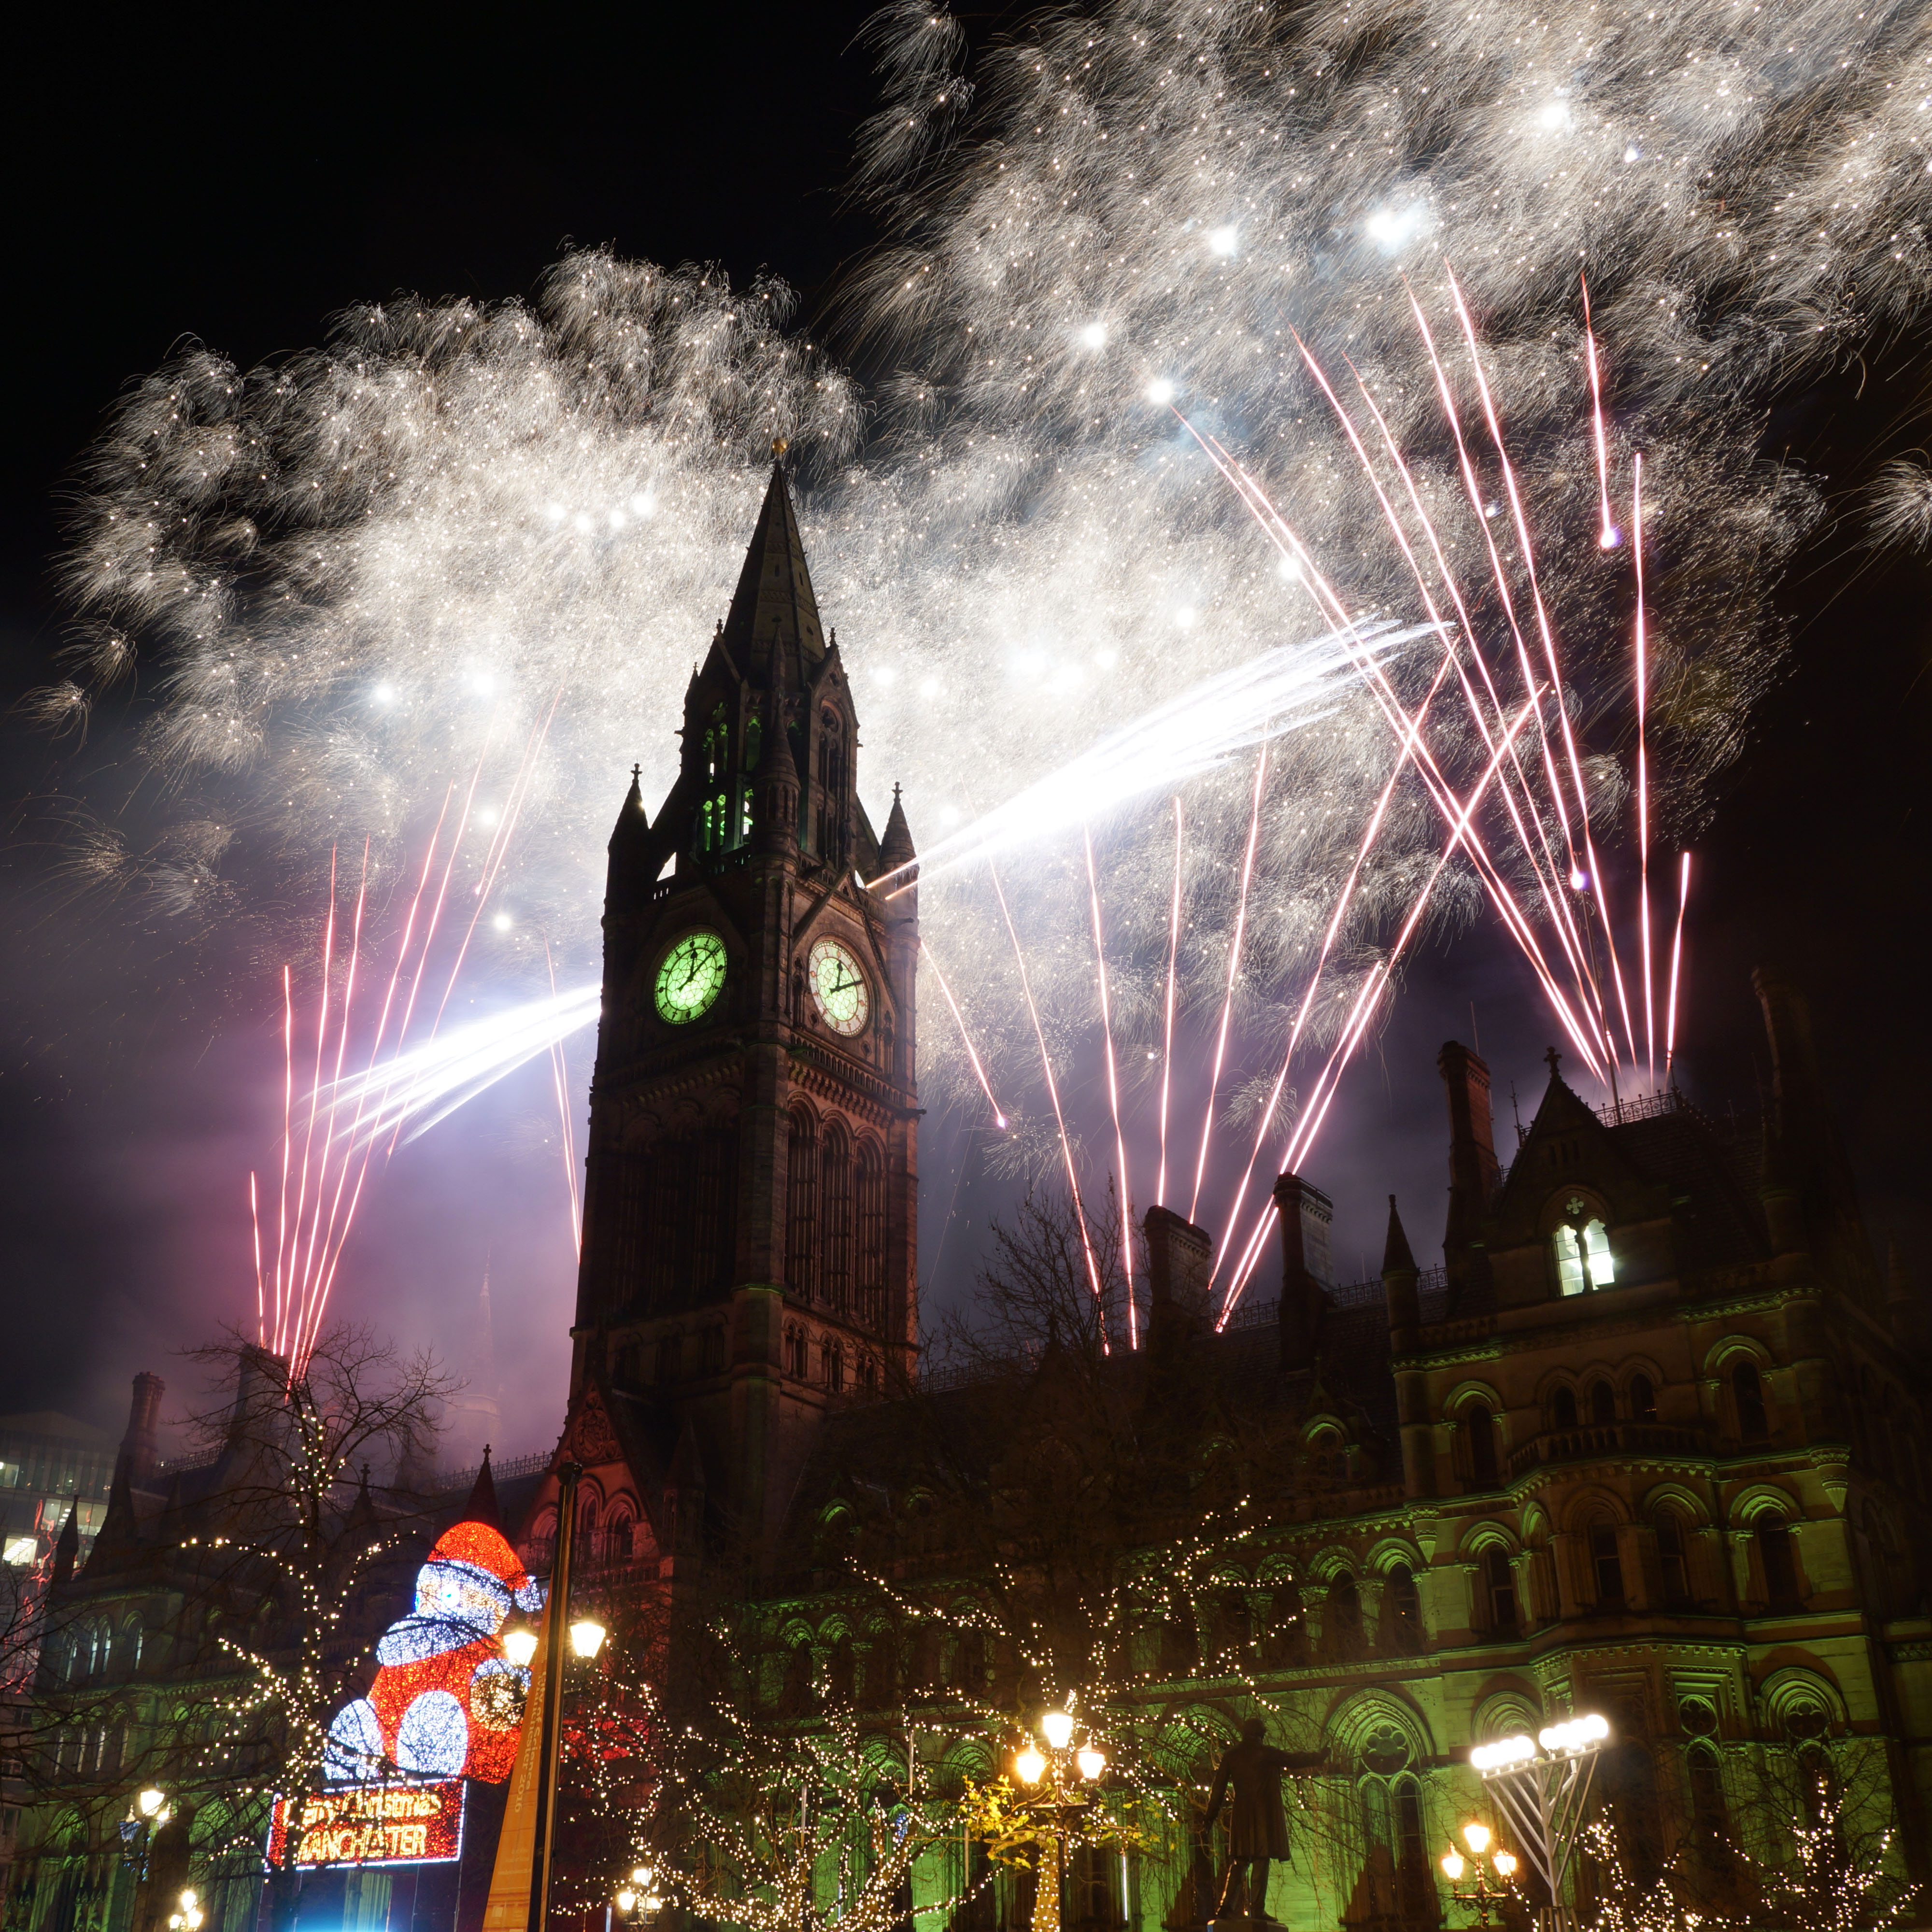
column 1583, row 1251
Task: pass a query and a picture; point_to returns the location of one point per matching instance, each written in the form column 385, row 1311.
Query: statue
column 1257, row 1823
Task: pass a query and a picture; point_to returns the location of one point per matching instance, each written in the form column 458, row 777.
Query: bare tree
column 265, row 1569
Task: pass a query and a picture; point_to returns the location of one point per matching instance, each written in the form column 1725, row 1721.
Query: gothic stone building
column 1646, row 1440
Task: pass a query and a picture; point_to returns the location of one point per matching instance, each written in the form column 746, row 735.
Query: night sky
column 186, row 179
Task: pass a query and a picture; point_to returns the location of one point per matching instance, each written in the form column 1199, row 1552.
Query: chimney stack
column 141, row 1447
column 1473, row 1170
column 1306, row 1215
column 1180, row 1257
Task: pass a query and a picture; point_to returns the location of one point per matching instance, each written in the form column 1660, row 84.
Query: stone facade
column 1646, row 1441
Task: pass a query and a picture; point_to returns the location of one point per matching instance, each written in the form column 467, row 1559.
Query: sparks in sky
column 469, row 538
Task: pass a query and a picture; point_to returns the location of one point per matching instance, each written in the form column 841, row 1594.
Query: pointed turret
column 772, row 632
column 1397, row 1258
column 895, row 848
column 630, row 840
column 362, row 1518
column 1399, row 1276
column 1902, row 1305
column 482, row 1506
column 68, row 1549
column 775, row 824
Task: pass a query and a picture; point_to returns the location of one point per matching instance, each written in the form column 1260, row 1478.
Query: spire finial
column 637, row 772
column 780, row 444
column 1554, row 1061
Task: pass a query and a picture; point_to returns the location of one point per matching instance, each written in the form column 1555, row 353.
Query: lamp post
column 1542, row 1784
column 1479, row 1892
column 586, row 1639
column 1058, row 1783
column 638, row 1900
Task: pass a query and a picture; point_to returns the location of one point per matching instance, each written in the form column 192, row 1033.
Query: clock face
column 838, row 985
column 691, row 977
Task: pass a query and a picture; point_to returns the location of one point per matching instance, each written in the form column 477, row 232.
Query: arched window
column 1397, row 1876
column 868, row 1376
column 832, row 1356
column 795, row 1353
column 1583, row 1262
column 1807, row 1727
column 617, row 1537
column 802, row 1208
column 1482, row 1427
column 633, row 1179
column 713, row 1226
column 715, row 814
column 828, row 842
column 1344, row 1619
column 1180, row 1647
column 1643, row 1399
column 667, row 1182
column 835, row 1210
column 1754, row 1426
column 1675, row 1569
column 1707, row 1792
column 1606, row 1565
column 1627, row 1776
column 1563, row 1407
column 1404, row 1609
column 1780, row 1563
column 754, row 739
column 1285, row 1643
column 1602, row 1402
column 1499, row 1586
column 869, row 1204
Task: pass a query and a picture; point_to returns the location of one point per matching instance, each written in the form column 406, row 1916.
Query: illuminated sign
column 373, row 1824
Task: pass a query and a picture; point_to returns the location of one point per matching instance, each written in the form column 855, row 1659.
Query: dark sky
column 179, row 177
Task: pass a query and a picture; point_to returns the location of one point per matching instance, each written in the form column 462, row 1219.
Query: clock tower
column 749, row 1209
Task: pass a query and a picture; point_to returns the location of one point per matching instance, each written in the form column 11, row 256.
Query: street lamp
column 188, row 1918
column 586, row 1639
column 640, row 1897
column 1542, row 1784
column 1058, row 1784
column 1479, row 1892
column 520, row 1646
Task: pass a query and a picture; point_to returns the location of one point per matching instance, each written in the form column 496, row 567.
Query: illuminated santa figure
column 446, row 1702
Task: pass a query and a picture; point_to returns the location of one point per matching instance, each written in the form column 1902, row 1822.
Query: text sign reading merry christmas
column 373, row 1824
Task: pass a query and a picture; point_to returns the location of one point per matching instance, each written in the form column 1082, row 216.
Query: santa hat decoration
column 482, row 1554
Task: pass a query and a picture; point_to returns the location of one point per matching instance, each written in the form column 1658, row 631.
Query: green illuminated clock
column 691, row 977
column 838, row 985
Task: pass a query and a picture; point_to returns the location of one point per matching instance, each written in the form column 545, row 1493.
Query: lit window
column 1584, row 1264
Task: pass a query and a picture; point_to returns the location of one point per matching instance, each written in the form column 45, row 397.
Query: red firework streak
column 313, row 1228
column 1533, row 776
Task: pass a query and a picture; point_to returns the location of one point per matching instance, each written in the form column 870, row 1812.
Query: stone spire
column 772, row 631
column 482, row 1506
column 896, row 847
column 1398, row 1277
column 68, row 1547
